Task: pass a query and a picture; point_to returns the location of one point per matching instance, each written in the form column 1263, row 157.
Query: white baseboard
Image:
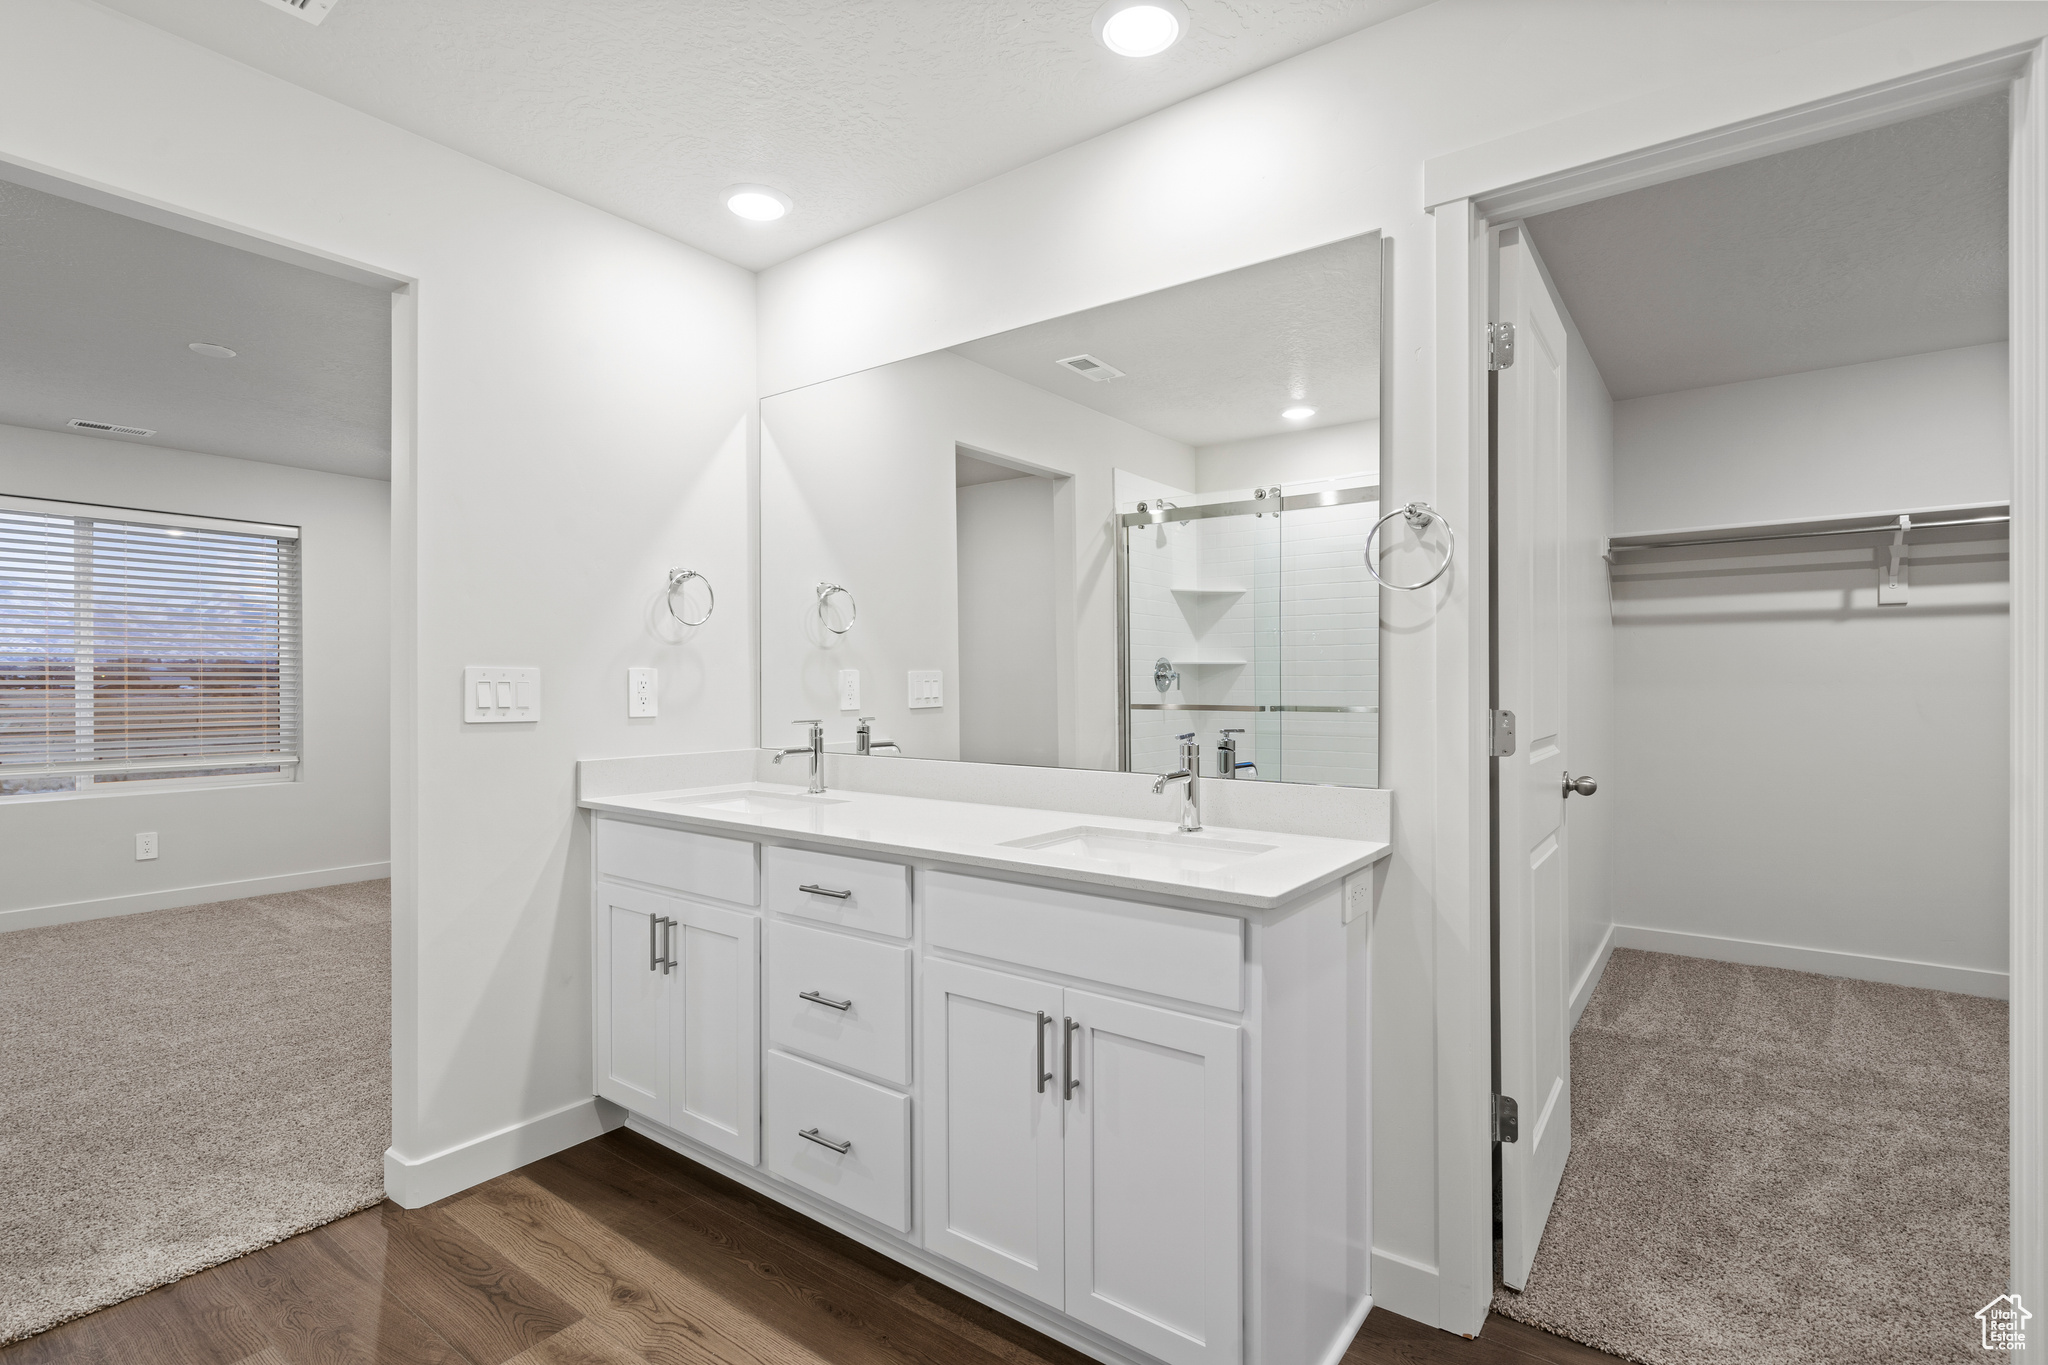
column 1824, row 962
column 1404, row 1286
column 40, row 916
column 1589, row 980
column 1341, row 1346
column 414, row 1182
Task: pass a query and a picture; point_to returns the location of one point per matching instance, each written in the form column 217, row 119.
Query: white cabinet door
column 992, row 1163
column 1154, row 1229
column 633, row 999
column 714, row 1033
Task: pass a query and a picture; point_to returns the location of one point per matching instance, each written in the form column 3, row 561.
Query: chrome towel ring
column 676, row 579
column 825, row 593
column 1418, row 516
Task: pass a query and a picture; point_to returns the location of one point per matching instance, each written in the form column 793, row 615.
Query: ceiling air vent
column 81, row 424
column 1088, row 367
column 312, row 11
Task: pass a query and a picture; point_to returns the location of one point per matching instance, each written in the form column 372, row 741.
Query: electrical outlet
column 927, row 688
column 849, row 689
column 145, row 847
column 1357, row 897
column 643, row 692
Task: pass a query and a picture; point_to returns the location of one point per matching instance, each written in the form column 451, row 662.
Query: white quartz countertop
column 1246, row 868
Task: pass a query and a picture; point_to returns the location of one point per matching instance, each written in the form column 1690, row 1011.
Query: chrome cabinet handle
column 826, row 891
column 811, row 1135
column 1067, row 1057
column 668, row 945
column 827, row 1001
column 653, row 955
column 1044, row 1076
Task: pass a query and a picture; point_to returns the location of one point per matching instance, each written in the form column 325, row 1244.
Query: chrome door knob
column 1584, row 786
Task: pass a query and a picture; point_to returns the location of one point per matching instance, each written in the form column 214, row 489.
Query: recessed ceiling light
column 208, row 348
column 757, row 203
column 1298, row 414
column 1140, row 28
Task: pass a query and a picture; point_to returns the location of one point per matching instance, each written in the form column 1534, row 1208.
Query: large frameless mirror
column 1074, row 543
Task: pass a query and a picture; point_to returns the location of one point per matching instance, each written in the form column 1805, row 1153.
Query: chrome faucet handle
column 1189, row 735
column 1231, row 730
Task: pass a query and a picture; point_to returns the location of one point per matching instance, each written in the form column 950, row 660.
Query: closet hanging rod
column 1869, row 523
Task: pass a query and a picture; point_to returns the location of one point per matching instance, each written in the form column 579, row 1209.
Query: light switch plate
column 849, row 689
column 643, row 692
column 927, row 688
column 500, row 696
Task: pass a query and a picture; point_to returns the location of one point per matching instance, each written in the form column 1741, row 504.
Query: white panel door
column 1534, row 837
column 1154, row 1183
column 714, row 1050
column 633, row 999
column 992, row 1140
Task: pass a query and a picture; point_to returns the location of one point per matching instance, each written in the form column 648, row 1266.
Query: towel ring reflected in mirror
column 1418, row 515
column 676, row 579
column 826, row 591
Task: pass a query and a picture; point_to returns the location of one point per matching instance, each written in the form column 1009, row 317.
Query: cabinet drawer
column 811, row 972
column 872, row 1176
column 1178, row 953
column 701, row 864
column 877, row 894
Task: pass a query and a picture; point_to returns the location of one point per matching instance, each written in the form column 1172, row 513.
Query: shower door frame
column 1123, row 522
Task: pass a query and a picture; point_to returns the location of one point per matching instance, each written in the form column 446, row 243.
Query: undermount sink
column 743, row 802
column 1137, row 851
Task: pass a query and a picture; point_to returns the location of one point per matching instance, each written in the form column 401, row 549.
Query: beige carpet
column 180, row 1087
column 1770, row 1167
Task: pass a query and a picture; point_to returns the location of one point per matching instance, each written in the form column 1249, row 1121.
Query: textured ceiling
column 858, row 109
column 96, row 311
column 1217, row 359
column 1886, row 243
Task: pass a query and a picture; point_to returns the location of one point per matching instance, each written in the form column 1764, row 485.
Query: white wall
column 857, row 487
column 583, row 390
column 1318, row 148
column 1008, row 692
column 73, row 857
column 1289, row 457
column 1851, row 757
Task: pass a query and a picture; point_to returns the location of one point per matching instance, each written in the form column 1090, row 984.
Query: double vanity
column 1101, row 1074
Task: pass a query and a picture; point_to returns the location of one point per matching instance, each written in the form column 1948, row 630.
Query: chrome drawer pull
column 811, row 1135
column 826, row 891
column 827, row 1001
column 653, row 953
column 1067, row 1057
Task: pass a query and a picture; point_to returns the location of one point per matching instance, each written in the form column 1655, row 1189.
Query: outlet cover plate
column 849, row 689
column 643, row 692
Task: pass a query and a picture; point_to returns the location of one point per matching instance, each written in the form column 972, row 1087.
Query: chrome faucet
column 1189, row 771
column 1226, row 754
column 816, row 749
column 864, row 741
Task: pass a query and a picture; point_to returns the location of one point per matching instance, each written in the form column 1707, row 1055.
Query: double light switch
column 500, row 695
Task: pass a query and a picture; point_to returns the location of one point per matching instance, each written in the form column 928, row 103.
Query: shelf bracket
column 1891, row 587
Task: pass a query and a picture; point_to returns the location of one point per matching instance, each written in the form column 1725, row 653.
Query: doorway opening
column 1753, row 475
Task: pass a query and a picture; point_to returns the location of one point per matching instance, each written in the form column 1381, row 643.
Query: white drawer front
column 877, row 895
column 872, row 1176
column 1179, row 953
column 701, row 864
column 813, row 972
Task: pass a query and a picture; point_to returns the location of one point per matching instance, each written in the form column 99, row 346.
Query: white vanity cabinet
column 1121, row 1119
column 678, row 1015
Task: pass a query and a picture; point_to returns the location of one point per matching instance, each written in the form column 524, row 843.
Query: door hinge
column 1507, row 1119
column 1500, row 345
column 1500, row 731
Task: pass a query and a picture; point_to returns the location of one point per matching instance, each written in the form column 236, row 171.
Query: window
column 142, row 647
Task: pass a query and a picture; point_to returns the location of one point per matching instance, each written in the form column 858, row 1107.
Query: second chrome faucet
column 1188, row 772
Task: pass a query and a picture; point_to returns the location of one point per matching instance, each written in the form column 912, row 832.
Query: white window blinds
column 136, row 644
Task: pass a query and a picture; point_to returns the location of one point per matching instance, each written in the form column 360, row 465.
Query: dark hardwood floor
column 617, row 1252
